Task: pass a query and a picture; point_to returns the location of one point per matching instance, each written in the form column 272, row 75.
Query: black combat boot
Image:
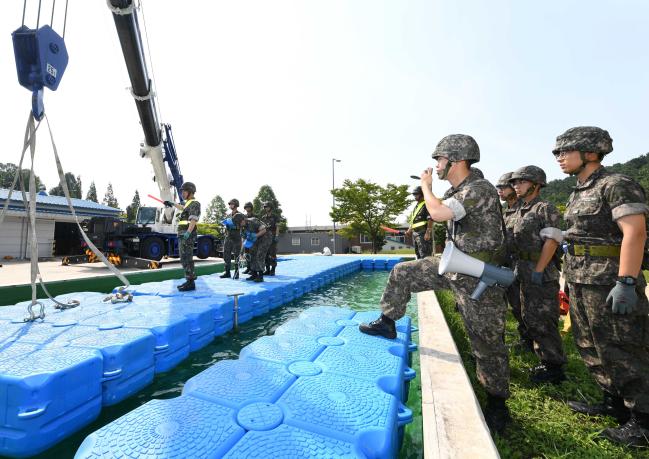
column 260, row 277
column 253, row 275
column 187, row 286
column 383, row 326
column 272, row 270
column 182, row 285
column 634, row 433
column 266, row 271
column 548, row 373
column 226, row 273
column 496, row 414
column 247, row 271
column 612, row 405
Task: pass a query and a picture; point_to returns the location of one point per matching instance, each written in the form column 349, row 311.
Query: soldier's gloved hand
column 168, row 204
column 186, row 235
column 537, row 278
column 622, row 298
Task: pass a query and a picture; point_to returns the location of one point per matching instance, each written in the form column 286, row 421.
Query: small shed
column 56, row 231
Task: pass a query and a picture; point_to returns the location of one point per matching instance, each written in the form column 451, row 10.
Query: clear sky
column 267, row 92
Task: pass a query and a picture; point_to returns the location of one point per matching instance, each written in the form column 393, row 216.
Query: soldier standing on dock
column 421, row 226
column 232, row 238
column 606, row 219
column 473, row 212
column 272, row 228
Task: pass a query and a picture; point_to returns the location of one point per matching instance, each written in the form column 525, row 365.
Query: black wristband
column 627, row 280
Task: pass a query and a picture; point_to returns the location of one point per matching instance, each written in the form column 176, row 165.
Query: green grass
column 543, row 426
column 398, row 252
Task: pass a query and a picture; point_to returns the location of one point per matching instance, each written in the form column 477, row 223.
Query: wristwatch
column 627, row 280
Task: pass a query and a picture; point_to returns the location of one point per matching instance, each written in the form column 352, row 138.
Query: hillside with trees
column 558, row 191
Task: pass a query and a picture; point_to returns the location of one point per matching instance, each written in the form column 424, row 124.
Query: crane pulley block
column 41, row 59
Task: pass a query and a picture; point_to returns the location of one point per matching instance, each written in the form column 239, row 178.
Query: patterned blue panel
column 310, row 326
column 283, row 348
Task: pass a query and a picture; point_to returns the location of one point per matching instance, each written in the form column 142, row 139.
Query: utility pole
column 333, row 198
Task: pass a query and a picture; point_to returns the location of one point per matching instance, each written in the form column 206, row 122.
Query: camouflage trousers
column 513, row 297
column 540, row 313
column 423, row 247
column 271, row 255
column 484, row 320
column 186, row 249
column 614, row 347
column 231, row 245
column 258, row 252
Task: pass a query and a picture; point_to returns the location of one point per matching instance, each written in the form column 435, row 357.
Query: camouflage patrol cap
column 417, row 190
column 587, row 139
column 532, row 173
column 504, row 179
column 458, row 147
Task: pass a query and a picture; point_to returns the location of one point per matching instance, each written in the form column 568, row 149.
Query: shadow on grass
column 543, row 426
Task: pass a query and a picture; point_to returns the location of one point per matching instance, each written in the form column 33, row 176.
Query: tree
column 7, row 173
column 266, row 194
column 92, row 193
column 365, row 207
column 109, row 198
column 216, row 211
column 131, row 211
column 74, row 186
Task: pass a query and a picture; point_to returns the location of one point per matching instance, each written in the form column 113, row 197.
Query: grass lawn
column 543, row 427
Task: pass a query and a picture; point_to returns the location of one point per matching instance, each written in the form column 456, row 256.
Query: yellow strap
column 610, row 251
column 188, row 202
column 416, row 211
column 418, row 224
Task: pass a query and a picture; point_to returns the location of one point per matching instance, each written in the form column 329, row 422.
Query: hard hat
column 417, row 190
column 189, row 187
column 267, row 204
column 234, row 201
column 458, row 147
column 532, row 173
column 248, row 204
column 504, row 180
column 586, row 139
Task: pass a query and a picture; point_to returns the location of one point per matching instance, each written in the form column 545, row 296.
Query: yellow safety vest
column 188, row 202
column 414, row 214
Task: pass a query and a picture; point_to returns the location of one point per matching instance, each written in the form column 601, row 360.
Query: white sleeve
column 551, row 233
column 456, row 207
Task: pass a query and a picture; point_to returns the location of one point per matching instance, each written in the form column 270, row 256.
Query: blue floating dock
column 56, row 374
column 294, row 394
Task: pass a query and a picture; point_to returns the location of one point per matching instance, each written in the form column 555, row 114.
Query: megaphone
column 455, row 261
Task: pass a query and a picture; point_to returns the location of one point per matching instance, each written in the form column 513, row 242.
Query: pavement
column 16, row 272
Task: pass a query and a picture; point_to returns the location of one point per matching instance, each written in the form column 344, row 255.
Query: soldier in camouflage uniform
column 535, row 238
column 272, row 228
column 507, row 194
column 248, row 208
column 232, row 238
column 606, row 220
column 421, row 226
column 472, row 210
column 262, row 240
column 187, row 220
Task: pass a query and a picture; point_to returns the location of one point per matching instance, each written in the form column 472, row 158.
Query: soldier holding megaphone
column 472, row 210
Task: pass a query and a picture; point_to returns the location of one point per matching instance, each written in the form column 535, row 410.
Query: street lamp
column 333, row 198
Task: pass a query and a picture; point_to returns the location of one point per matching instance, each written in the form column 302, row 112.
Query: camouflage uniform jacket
column 593, row 209
column 526, row 223
column 253, row 225
column 235, row 233
column 191, row 211
column 479, row 232
column 508, row 218
column 271, row 223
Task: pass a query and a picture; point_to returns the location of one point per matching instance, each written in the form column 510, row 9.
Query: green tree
column 92, row 193
column 109, row 198
column 8, row 172
column 74, row 186
column 131, row 211
column 266, row 194
column 216, row 211
column 365, row 207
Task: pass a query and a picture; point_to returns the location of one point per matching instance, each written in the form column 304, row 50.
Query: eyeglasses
column 560, row 154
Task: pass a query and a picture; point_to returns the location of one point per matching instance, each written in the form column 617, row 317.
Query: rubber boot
column 611, row 405
column 383, row 326
column 496, row 414
column 253, row 276
column 634, row 433
column 187, row 286
column 260, row 277
column 548, row 373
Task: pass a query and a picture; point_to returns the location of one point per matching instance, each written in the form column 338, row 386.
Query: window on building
column 295, row 241
column 401, row 239
column 365, row 239
column 315, row 241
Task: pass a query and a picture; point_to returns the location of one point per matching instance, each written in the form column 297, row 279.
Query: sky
column 267, row 93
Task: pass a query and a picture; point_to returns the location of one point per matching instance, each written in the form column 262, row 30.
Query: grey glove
column 537, row 278
column 622, row 298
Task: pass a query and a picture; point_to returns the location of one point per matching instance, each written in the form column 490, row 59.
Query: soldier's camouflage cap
column 532, row 173
column 457, row 147
column 589, row 139
column 504, row 179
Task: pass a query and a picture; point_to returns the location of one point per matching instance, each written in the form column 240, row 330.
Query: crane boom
column 158, row 144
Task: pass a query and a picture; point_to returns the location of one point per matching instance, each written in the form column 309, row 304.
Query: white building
column 56, row 231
